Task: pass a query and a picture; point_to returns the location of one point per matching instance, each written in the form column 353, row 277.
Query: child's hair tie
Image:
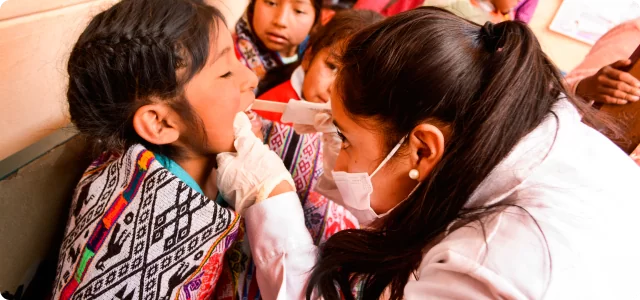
column 489, row 37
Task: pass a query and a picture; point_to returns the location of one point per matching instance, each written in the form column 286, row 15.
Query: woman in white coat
column 471, row 172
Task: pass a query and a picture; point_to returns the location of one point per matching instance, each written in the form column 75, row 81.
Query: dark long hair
column 130, row 55
column 491, row 85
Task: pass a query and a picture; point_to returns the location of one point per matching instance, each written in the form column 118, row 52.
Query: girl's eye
column 331, row 66
column 300, row 12
column 270, row 3
column 226, row 75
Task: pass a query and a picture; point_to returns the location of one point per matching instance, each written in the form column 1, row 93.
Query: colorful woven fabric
column 137, row 232
column 252, row 52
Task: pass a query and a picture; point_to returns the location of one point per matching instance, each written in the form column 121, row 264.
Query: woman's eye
column 226, row 75
column 331, row 66
column 270, row 3
column 345, row 142
column 300, row 12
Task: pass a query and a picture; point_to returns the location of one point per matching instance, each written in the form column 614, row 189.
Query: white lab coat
column 582, row 191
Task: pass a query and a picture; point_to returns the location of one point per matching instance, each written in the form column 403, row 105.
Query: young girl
column 156, row 87
column 272, row 33
column 312, row 80
column 469, row 167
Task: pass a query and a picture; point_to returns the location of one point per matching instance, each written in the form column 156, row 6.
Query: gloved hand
column 635, row 155
column 249, row 175
column 331, row 144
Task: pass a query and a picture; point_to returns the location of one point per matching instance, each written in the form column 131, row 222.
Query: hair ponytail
column 492, row 85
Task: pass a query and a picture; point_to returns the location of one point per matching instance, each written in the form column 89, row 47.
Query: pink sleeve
column 281, row 246
column 525, row 10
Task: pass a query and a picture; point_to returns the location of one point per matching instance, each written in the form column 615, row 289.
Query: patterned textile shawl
column 135, row 231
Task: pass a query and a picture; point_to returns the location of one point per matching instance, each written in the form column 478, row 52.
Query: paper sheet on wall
column 588, row 20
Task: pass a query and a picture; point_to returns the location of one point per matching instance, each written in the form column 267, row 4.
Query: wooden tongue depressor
column 296, row 112
column 270, row 106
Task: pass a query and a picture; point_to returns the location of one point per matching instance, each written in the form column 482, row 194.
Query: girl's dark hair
column 339, row 4
column 134, row 53
column 343, row 25
column 317, row 6
column 490, row 85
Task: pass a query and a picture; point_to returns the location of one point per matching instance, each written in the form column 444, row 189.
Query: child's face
column 223, row 88
column 282, row 25
column 320, row 74
column 505, row 6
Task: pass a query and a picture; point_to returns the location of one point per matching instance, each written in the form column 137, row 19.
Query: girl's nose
column 281, row 16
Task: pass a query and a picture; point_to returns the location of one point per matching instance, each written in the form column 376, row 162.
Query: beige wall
column 565, row 52
column 35, row 38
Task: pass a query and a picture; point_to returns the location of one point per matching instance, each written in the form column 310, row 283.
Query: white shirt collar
column 525, row 157
column 297, row 79
column 288, row 60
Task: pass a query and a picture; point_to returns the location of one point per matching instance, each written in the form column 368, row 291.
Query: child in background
column 312, row 80
column 282, row 73
column 272, row 33
column 302, row 153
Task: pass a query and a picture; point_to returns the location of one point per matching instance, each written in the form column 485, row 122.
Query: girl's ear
column 157, row 124
column 427, row 148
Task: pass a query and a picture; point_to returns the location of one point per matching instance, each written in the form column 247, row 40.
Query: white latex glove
column 250, row 174
column 331, row 144
column 323, row 122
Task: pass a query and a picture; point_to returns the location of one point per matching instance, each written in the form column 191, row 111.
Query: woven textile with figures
column 135, row 231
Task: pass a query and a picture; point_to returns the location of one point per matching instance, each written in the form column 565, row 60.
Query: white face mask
column 356, row 189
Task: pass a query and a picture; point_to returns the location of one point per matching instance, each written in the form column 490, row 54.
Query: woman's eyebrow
column 337, row 125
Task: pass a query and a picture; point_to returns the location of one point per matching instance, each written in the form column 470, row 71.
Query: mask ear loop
column 390, row 155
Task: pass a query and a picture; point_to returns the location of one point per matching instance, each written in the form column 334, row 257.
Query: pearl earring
column 414, row 174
